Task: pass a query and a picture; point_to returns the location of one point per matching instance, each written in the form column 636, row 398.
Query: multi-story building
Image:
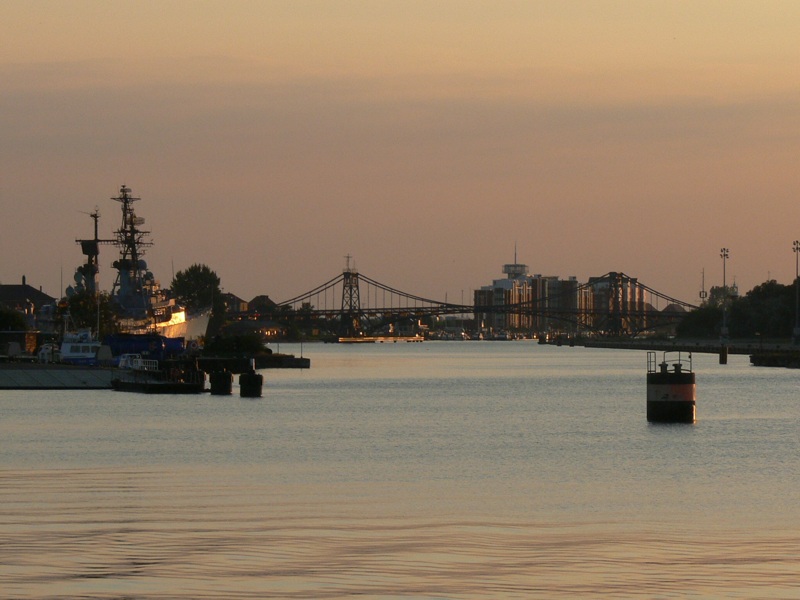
column 37, row 308
column 526, row 300
column 621, row 303
column 514, row 289
column 522, row 302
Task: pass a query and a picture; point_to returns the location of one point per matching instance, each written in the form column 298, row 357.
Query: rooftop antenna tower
column 515, row 270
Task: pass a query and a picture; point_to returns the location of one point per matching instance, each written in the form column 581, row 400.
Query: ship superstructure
column 144, row 307
column 134, row 287
column 86, row 274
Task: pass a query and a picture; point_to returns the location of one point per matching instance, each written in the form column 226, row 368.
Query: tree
column 83, row 309
column 767, row 309
column 11, row 320
column 704, row 322
column 198, row 288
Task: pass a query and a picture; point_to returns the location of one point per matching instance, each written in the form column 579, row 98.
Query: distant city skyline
column 269, row 140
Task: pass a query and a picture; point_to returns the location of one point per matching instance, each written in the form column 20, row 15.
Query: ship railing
column 143, row 364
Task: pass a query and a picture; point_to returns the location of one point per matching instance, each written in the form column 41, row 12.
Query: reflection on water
column 434, row 471
column 110, row 534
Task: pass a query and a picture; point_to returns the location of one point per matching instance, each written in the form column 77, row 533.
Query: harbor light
column 724, row 254
column 796, row 332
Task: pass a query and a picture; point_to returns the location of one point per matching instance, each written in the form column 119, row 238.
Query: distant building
column 234, row 304
column 622, row 303
column 267, row 330
column 261, row 304
column 532, row 294
column 613, row 304
column 37, row 307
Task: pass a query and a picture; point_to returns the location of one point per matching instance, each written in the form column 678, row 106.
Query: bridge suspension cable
column 316, row 291
column 613, row 302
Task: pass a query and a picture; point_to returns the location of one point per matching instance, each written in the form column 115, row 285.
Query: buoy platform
column 671, row 390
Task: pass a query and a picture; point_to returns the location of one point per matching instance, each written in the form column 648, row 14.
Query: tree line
column 768, row 310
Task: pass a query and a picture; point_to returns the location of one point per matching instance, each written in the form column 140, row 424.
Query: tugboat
column 137, row 374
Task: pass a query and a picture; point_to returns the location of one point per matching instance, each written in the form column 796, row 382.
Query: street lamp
column 724, row 253
column 796, row 336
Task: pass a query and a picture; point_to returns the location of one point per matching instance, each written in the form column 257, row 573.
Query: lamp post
column 796, row 336
column 724, row 253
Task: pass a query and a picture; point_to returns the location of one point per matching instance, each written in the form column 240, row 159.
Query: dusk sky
column 426, row 139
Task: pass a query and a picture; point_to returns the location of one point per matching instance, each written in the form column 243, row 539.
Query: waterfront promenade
column 748, row 346
column 767, row 353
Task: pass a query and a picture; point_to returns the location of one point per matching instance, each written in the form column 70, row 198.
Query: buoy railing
column 678, row 362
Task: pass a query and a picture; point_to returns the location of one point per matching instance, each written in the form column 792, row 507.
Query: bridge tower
column 350, row 325
column 617, row 305
column 626, row 308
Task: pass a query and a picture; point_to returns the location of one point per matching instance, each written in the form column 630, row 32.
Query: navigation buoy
column 221, row 382
column 250, row 384
column 670, row 389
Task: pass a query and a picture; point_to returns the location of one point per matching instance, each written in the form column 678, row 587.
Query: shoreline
column 781, row 354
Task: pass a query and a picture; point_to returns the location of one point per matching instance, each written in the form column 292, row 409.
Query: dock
column 385, row 339
column 770, row 354
column 35, row 376
column 242, row 364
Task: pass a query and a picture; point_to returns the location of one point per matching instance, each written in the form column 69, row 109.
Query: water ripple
column 151, row 534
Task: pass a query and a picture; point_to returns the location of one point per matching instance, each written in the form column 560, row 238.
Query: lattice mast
column 131, row 283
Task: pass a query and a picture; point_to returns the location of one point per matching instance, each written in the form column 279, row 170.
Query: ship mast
column 90, row 249
column 130, row 288
column 86, row 275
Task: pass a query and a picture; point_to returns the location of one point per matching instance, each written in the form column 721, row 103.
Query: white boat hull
column 191, row 328
column 179, row 326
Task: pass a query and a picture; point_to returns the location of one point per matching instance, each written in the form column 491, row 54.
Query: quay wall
column 705, row 346
column 762, row 353
column 33, row 376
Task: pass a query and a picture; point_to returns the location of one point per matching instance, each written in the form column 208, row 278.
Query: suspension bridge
column 352, row 305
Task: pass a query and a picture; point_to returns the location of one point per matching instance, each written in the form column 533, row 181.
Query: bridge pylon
column 350, row 324
column 617, row 307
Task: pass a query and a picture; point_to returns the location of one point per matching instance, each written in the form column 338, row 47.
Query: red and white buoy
column 671, row 389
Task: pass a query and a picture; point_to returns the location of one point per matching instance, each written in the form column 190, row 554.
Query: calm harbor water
column 435, row 470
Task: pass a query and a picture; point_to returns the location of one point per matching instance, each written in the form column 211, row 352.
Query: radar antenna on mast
column 132, row 281
column 86, row 276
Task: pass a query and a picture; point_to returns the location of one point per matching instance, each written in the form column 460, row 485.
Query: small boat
column 49, row 353
column 137, row 374
column 80, row 348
